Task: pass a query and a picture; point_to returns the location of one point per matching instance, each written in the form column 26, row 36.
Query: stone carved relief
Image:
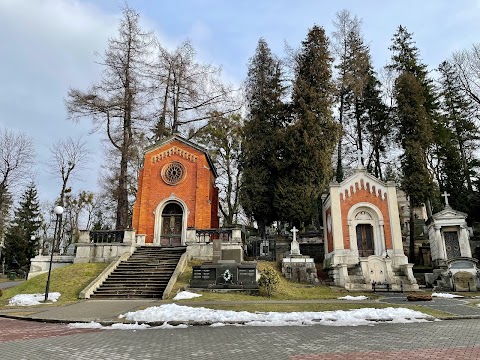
column 363, row 215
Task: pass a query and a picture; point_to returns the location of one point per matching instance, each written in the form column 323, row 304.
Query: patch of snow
column 348, row 297
column 446, row 295
column 367, row 316
column 135, row 326
column 183, row 295
column 32, row 299
column 90, row 325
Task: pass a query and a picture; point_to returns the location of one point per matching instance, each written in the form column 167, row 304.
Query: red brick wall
column 363, row 194
column 197, row 189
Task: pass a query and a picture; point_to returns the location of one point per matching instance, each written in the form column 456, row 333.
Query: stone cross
column 294, row 232
column 294, row 247
column 446, row 195
column 359, row 156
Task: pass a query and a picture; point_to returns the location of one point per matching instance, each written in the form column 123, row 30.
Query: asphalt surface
column 453, row 339
column 50, row 336
column 7, row 284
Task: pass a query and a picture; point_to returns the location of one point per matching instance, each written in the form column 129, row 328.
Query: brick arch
column 157, row 230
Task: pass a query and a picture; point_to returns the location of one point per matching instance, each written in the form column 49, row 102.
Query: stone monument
column 296, row 266
column 453, row 265
column 225, row 272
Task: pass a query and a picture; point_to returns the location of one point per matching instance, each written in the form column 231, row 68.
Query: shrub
column 269, row 280
column 1, row 293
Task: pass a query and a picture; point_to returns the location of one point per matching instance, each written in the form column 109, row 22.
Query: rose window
column 173, row 173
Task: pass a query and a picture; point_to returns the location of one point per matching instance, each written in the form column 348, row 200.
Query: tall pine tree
column 457, row 141
column 311, row 140
column 416, row 108
column 18, row 244
column 265, row 120
column 414, row 136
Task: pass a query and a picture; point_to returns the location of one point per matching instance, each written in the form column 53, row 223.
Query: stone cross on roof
column 359, row 157
column 446, row 195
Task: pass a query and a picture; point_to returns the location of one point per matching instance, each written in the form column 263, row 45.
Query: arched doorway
column 172, row 221
column 365, row 243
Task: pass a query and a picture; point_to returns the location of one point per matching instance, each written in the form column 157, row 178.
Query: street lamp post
column 58, row 210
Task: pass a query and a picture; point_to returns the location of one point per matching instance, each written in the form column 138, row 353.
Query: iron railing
column 208, row 235
column 106, row 236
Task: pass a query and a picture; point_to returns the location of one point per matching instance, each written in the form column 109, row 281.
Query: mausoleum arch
column 362, row 214
column 157, row 231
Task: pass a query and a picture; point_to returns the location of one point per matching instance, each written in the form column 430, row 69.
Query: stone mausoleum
column 363, row 240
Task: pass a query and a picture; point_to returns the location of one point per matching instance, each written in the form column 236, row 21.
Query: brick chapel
column 176, row 192
column 363, row 235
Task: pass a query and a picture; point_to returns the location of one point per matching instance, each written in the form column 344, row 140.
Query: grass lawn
column 287, row 290
column 68, row 281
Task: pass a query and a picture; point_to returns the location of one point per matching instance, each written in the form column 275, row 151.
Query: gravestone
column 226, row 271
column 297, row 267
column 294, row 247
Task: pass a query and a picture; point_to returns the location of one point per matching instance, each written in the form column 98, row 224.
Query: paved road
column 8, row 284
column 452, row 339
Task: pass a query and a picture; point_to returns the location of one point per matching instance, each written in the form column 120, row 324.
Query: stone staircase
column 356, row 278
column 145, row 274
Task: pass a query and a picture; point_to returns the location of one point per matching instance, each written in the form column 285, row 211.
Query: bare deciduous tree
column 16, row 159
column 115, row 104
column 67, row 159
column 187, row 91
column 467, row 63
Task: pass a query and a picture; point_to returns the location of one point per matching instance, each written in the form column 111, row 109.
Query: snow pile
column 182, row 295
column 90, row 325
column 348, row 297
column 367, row 316
column 120, row 326
column 135, row 326
column 32, row 299
column 446, row 295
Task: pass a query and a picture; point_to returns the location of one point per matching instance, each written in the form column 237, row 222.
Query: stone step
column 145, row 274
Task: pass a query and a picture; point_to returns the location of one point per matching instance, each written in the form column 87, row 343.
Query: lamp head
column 58, row 210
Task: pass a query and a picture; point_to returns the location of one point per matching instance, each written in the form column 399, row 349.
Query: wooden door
column 365, row 240
column 172, row 224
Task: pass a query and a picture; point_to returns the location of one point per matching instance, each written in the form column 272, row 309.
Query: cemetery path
column 456, row 306
column 455, row 339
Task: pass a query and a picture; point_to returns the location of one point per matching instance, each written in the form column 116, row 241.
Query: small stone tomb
column 297, row 267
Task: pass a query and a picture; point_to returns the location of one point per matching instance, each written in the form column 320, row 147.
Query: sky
column 49, row 46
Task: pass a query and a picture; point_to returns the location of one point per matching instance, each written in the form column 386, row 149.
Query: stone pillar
column 351, row 232
column 129, row 237
column 465, row 249
column 217, row 251
column 342, row 274
column 191, row 236
column 236, row 236
column 84, row 236
column 382, row 237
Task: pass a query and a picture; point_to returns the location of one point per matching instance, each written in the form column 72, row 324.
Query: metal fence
column 208, row 235
column 106, row 236
column 264, row 249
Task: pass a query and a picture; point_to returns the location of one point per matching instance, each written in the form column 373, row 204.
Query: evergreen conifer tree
column 457, row 140
column 311, row 140
column 19, row 246
column 415, row 113
column 414, row 136
column 262, row 138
